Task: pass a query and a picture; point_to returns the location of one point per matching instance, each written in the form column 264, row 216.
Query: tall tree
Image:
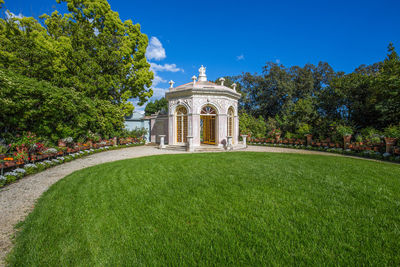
column 158, row 105
column 387, row 84
column 89, row 49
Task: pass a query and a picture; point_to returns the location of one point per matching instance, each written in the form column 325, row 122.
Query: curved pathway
column 18, row 200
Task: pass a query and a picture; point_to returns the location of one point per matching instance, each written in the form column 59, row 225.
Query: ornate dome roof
column 203, row 85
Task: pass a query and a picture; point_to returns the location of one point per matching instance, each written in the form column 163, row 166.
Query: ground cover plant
column 218, row 209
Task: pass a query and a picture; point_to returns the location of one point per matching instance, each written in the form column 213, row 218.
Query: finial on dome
column 202, row 74
column 194, row 78
column 222, row 80
column 171, row 84
column 234, row 86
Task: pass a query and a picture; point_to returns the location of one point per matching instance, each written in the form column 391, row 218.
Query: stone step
column 175, row 147
column 209, row 149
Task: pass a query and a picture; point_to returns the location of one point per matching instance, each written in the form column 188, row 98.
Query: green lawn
column 237, row 208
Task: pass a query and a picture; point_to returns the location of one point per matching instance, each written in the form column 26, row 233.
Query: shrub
column 304, row 129
column 392, row 131
column 30, row 168
column 11, row 176
column 3, row 180
column 20, row 172
column 344, row 130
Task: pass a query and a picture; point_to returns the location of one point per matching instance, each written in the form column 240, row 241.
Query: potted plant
column 346, row 132
column 276, row 133
column 305, row 130
column 391, row 133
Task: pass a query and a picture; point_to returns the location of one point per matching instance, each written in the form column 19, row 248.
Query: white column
column 236, row 129
column 162, row 145
column 196, row 129
column 171, row 129
column 222, row 129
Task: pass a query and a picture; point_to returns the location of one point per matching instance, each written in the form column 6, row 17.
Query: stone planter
column 346, row 140
column 390, row 141
column 309, row 139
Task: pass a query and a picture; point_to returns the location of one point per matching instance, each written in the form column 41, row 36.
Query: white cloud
column 165, row 67
column 278, row 61
column 157, row 79
column 155, row 50
column 158, row 93
column 240, row 57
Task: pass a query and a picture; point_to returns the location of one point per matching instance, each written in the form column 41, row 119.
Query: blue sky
column 231, row 37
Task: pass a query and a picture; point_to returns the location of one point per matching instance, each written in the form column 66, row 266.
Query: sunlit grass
column 218, row 209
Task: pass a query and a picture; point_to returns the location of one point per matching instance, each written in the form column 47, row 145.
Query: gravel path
column 18, row 200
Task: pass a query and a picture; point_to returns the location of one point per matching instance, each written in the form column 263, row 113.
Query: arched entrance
column 181, row 124
column 208, row 117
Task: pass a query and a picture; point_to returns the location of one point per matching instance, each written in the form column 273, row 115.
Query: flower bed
column 352, row 150
column 41, row 162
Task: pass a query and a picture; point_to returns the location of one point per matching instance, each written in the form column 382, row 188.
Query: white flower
column 30, row 165
column 386, row 154
column 20, row 170
column 11, row 173
column 68, row 140
column 61, row 158
column 50, row 151
column 2, row 178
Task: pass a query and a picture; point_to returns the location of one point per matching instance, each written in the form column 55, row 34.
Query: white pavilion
column 200, row 114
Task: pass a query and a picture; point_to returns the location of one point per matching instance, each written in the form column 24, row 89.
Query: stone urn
column 346, row 140
column 390, row 141
column 277, row 137
column 309, row 139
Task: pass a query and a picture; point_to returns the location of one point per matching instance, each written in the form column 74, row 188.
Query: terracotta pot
column 390, row 141
column 397, row 150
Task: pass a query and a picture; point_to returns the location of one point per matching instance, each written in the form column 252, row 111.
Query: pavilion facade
column 202, row 113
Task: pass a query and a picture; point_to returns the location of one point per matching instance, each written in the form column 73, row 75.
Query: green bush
column 344, row 130
column 392, row 131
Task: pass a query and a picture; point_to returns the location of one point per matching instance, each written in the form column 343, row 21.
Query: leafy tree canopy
column 89, row 49
column 157, row 105
column 52, row 112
